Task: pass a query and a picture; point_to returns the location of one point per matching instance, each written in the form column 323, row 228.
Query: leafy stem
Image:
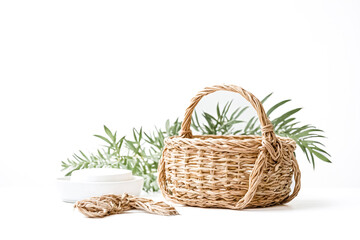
column 144, row 148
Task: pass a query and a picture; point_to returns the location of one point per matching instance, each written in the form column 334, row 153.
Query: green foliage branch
column 141, row 152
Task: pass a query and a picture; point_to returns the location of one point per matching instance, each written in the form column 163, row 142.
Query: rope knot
column 274, row 149
column 185, row 133
column 267, row 128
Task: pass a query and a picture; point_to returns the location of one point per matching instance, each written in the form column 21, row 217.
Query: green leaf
column 266, row 98
column 285, row 123
column 276, row 106
column 108, row 132
column 285, row 116
column 307, row 133
column 218, row 110
column 233, row 116
column 304, row 151
column 226, row 109
column 248, row 125
column 104, row 138
column 312, row 159
column 321, row 156
column 120, row 142
column 84, row 156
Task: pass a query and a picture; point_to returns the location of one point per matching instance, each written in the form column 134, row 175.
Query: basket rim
column 207, row 138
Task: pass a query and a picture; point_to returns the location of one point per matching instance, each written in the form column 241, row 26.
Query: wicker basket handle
column 266, row 125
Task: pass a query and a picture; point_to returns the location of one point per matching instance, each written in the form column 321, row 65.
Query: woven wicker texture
column 228, row 171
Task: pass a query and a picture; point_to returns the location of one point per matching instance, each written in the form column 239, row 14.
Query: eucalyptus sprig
column 141, row 152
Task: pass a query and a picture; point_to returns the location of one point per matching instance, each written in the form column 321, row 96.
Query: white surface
column 30, row 213
column 72, row 191
column 101, row 175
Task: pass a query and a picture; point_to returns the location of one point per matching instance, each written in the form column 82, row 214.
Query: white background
column 68, row 67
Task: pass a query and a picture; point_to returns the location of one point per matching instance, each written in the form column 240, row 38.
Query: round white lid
column 101, row 175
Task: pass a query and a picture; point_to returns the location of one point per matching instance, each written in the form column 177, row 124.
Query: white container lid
column 101, row 175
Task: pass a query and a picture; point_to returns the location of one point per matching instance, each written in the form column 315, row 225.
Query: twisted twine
column 98, row 207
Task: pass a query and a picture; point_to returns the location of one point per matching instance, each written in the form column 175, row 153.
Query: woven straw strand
column 98, row 207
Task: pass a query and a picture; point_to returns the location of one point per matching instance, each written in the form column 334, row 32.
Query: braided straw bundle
column 98, row 207
column 234, row 172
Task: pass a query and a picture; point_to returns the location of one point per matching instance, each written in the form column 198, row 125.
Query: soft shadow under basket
column 234, row 172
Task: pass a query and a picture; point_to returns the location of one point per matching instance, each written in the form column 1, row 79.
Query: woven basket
column 228, row 171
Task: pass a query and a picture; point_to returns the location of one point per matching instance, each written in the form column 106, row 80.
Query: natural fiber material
column 98, row 207
column 228, row 171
